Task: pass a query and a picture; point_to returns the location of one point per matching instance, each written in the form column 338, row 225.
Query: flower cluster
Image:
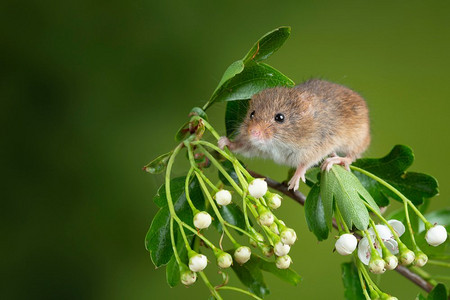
column 381, row 243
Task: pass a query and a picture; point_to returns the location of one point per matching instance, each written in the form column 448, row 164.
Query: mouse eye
column 279, row 118
column 252, row 115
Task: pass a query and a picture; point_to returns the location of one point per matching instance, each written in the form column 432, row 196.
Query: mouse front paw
column 223, row 141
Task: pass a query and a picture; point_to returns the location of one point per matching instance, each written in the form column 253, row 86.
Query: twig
column 300, row 198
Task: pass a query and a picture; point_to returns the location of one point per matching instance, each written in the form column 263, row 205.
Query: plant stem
column 367, row 276
column 174, row 247
column 210, row 287
column 363, row 284
column 378, row 179
column 425, row 275
column 408, row 222
column 232, row 288
column 340, row 219
column 168, row 191
column 214, row 207
column 438, row 263
column 208, row 126
column 221, row 169
column 186, row 191
column 394, row 233
column 207, row 242
column 228, row 156
column 241, row 231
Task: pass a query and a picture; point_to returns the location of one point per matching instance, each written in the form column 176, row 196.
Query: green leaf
column 287, row 275
column 392, row 168
column 232, row 70
column 158, row 165
column 157, row 240
column 352, row 285
column 314, row 213
column 438, row 293
column 249, row 66
column 343, row 187
column 251, row 276
column 312, row 176
column 268, row 44
column 235, row 113
column 253, row 79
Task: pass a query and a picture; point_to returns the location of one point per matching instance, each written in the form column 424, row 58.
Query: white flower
column 242, row 254
column 266, row 218
column 346, row 244
column 224, row 260
column 364, row 249
column 197, row 263
column 288, row 236
column 407, row 257
column 257, row 188
column 202, row 220
column 281, row 249
column 274, row 201
column 391, row 262
column 377, row 266
column 188, row 277
column 283, row 262
column 421, row 259
column 436, row 235
column 223, row 197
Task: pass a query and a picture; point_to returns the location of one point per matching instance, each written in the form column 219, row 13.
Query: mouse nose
column 255, row 133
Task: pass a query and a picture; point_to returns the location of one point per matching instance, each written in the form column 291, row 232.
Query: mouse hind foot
column 336, row 160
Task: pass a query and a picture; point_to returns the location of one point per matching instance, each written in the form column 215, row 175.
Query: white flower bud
column 436, row 235
column 283, row 262
column 274, row 201
column 202, row 220
column 421, row 259
column 197, row 263
column 242, row 254
column 188, row 277
column 266, row 218
column 224, row 260
column 288, row 236
column 257, row 188
column 346, row 244
column 391, row 262
column 274, row 228
column 281, row 249
column 223, row 197
column 407, row 257
column 377, row 266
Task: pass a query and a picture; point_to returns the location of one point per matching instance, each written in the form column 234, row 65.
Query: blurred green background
column 92, row 90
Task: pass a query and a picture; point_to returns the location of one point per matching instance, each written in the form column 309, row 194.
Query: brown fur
column 321, row 118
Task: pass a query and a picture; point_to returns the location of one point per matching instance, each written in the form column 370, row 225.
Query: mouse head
column 276, row 115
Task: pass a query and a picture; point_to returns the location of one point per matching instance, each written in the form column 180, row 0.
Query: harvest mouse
column 302, row 125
